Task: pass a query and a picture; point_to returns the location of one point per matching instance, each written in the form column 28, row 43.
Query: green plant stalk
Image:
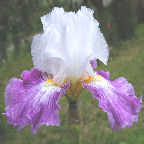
column 75, row 123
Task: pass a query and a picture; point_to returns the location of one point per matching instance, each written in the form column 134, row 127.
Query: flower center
column 74, row 90
column 49, row 82
column 91, row 79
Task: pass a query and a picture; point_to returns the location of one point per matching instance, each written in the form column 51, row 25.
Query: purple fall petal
column 117, row 98
column 29, row 101
column 106, row 75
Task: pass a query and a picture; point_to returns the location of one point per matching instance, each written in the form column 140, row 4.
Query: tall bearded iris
column 64, row 57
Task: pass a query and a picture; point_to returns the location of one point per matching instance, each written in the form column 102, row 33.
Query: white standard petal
column 70, row 40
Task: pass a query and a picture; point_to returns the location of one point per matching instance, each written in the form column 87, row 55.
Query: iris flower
column 64, row 58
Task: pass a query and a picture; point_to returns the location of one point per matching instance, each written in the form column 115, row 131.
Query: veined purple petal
column 31, row 101
column 117, row 98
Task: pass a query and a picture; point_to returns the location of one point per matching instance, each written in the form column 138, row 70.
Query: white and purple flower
column 64, row 57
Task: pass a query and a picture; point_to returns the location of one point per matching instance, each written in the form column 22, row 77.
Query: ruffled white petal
column 70, row 40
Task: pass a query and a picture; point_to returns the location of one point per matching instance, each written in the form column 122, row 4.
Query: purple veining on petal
column 29, row 101
column 118, row 99
column 93, row 63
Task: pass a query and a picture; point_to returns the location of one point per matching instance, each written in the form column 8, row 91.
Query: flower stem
column 75, row 123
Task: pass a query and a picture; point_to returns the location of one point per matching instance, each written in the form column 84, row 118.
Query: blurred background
column 122, row 23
